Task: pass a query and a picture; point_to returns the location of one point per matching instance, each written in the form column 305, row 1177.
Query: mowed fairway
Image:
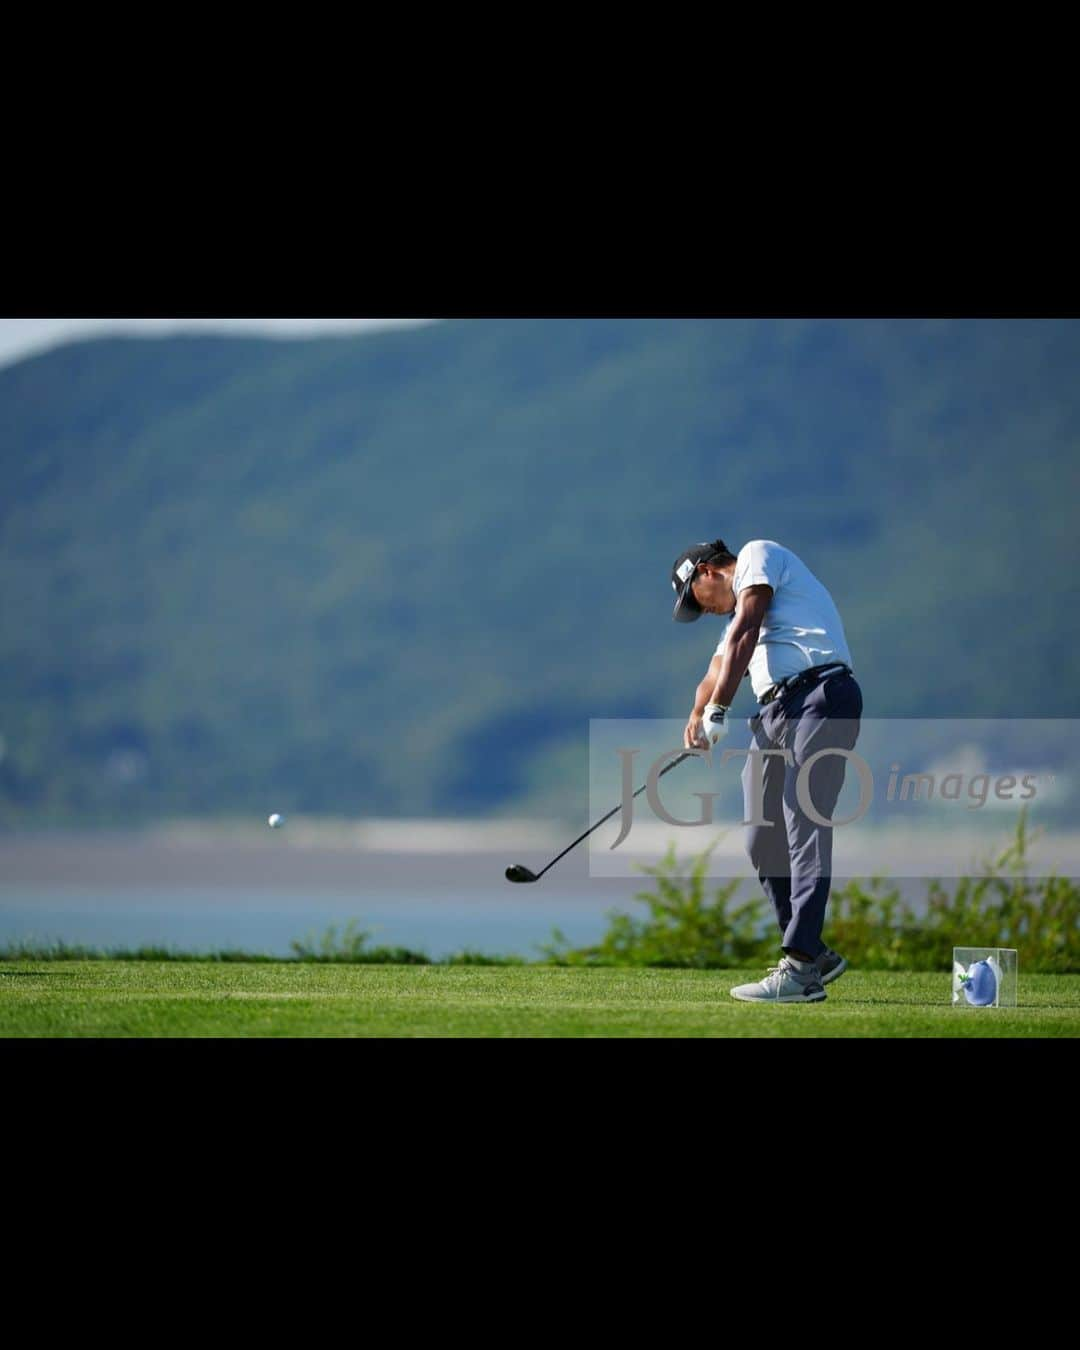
column 115, row 998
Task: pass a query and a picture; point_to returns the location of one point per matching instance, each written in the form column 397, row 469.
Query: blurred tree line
column 397, row 574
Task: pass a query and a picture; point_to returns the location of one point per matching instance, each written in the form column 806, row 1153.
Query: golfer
column 781, row 626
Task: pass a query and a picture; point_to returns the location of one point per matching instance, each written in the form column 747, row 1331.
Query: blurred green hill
column 396, row 574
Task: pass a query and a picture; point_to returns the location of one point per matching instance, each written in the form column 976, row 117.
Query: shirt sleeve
column 760, row 563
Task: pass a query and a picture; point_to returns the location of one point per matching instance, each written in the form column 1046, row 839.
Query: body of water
column 205, row 918
column 259, row 892
column 204, row 888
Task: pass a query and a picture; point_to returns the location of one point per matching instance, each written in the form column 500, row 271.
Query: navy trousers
column 793, row 855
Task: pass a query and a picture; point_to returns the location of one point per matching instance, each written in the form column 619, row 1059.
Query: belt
column 803, row 680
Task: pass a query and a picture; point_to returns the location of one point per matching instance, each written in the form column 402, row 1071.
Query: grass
column 290, row 999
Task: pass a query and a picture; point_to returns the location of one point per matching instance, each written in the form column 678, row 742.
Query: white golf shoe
column 785, row 983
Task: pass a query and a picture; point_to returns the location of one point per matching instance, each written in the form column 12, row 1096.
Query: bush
column 684, row 928
column 1001, row 907
column 352, row 949
column 874, row 927
column 30, row 949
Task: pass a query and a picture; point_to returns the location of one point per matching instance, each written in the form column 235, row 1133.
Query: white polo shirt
column 802, row 626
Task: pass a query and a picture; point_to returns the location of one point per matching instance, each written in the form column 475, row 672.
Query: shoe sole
column 835, row 973
column 786, row 998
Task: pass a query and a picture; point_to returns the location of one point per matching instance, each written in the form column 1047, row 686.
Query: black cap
column 687, row 609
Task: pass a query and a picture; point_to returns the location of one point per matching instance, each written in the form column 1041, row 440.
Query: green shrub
column 471, row 958
column 869, row 922
column 1001, row 907
column 30, row 949
column 684, row 926
column 352, row 949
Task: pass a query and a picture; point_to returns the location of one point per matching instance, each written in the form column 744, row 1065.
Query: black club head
column 519, row 873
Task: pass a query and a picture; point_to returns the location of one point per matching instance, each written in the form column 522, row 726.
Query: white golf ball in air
column 275, row 822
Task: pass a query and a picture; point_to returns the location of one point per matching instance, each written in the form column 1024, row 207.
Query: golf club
column 523, row 874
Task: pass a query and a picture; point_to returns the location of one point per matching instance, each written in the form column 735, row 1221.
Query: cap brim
column 687, row 609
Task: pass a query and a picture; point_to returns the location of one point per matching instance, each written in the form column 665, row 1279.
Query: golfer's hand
column 693, row 736
column 714, row 723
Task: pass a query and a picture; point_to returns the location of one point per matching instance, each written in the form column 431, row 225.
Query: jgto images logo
column 972, row 790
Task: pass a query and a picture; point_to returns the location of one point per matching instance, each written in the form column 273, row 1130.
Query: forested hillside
column 397, row 574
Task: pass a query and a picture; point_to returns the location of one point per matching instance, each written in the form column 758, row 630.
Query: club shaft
column 687, row 754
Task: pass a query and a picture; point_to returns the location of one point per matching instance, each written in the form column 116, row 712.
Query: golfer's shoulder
column 759, row 547
column 762, row 562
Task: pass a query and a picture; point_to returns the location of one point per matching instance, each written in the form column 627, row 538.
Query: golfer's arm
column 729, row 666
column 707, row 685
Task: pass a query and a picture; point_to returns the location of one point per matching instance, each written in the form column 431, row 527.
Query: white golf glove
column 714, row 723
